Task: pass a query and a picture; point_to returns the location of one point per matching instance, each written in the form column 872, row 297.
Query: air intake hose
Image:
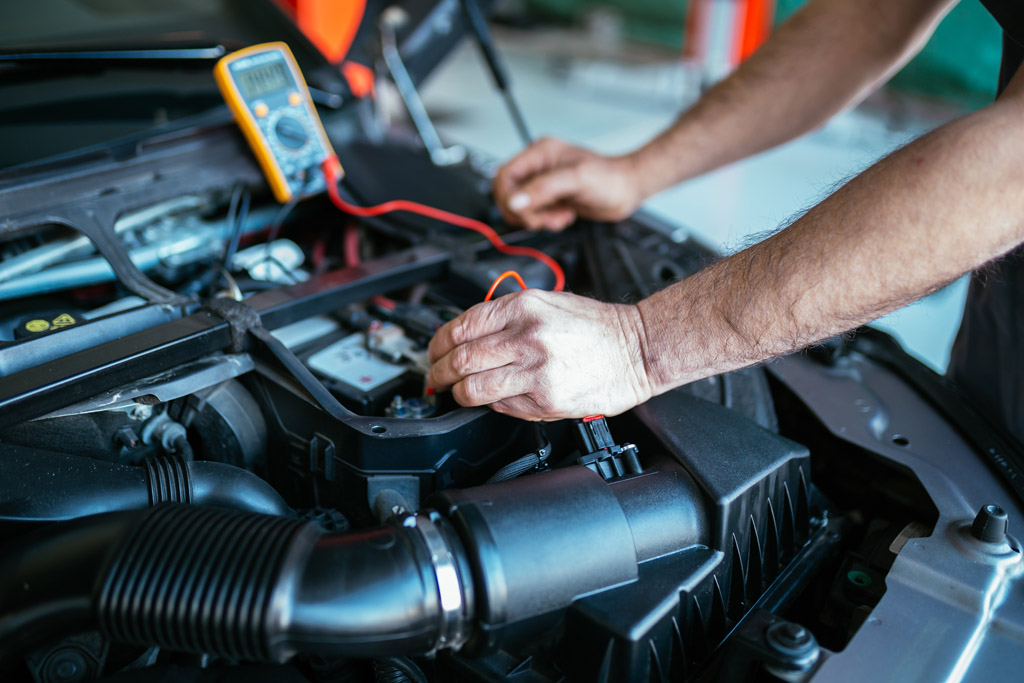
column 240, row 585
column 28, row 493
column 260, row 588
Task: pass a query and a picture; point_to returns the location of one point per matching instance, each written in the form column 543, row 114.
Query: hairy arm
column 932, row 211
column 828, row 56
column 940, row 207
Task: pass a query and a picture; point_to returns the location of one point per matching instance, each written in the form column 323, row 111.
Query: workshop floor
column 614, row 99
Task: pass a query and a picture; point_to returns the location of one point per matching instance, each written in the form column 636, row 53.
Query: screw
column 990, row 524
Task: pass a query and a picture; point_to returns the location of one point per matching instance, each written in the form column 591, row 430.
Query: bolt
column 790, row 639
column 141, row 412
column 990, row 524
column 66, row 665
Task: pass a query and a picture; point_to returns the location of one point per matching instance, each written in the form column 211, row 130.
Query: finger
column 543, row 193
column 555, row 220
column 479, row 321
column 542, row 156
column 487, row 387
column 479, row 355
column 539, row 156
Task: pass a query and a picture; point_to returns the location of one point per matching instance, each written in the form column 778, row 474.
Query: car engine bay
column 219, row 459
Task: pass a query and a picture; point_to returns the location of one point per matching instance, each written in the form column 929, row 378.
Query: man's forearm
column 920, row 218
column 828, row 56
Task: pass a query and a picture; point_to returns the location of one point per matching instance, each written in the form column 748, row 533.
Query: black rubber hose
column 29, row 494
column 397, row 670
column 263, row 588
column 182, row 448
column 47, row 579
column 248, row 587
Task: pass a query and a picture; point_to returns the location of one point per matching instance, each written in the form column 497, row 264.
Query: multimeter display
column 260, row 80
column 265, row 90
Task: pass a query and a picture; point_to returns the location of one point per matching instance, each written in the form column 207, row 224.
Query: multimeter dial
column 288, row 133
column 291, row 133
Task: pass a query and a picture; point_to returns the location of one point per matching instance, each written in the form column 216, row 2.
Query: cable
column 331, row 168
column 236, row 220
column 507, row 274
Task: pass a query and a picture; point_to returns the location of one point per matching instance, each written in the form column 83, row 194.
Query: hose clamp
column 454, row 629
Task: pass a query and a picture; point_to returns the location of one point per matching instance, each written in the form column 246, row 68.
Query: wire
column 237, row 222
column 331, row 168
column 504, row 276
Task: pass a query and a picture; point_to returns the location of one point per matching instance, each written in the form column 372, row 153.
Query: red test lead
column 332, row 173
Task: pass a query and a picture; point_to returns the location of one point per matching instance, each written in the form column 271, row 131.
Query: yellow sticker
column 63, row 320
column 37, row 326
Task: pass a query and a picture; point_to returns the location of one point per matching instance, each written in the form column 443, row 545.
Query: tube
column 27, row 493
column 262, row 588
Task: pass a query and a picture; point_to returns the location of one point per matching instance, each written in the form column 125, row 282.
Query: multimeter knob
column 291, row 132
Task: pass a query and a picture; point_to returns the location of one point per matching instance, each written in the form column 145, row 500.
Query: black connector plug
column 600, row 453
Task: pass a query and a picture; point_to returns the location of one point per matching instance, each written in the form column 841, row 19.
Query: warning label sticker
column 62, row 320
column 350, row 362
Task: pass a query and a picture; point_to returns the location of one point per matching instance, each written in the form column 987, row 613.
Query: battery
column 363, row 382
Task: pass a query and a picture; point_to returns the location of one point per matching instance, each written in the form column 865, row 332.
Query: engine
column 219, row 457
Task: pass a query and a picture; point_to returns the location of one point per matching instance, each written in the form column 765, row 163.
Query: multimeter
column 265, row 90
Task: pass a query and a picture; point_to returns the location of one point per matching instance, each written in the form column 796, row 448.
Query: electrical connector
column 600, row 453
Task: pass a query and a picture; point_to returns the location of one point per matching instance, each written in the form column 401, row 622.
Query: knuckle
column 460, row 330
column 528, row 297
column 461, row 359
column 472, row 391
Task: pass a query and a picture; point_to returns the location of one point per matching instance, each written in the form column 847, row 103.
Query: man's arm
column 828, row 56
column 940, row 207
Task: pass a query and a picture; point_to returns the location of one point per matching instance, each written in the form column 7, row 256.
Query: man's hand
column 551, row 183
column 542, row 355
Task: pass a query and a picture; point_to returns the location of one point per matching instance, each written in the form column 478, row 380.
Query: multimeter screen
column 260, row 80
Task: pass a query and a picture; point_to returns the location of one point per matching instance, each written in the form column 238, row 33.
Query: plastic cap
column 990, row 524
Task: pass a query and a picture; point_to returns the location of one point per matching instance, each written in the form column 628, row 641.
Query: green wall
column 960, row 62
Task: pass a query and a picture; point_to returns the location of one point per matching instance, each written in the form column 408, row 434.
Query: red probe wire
column 503, row 276
column 331, row 169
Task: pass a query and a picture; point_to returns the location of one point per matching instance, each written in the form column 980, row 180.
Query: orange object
column 331, row 25
column 332, row 168
column 719, row 35
column 261, row 110
column 360, row 79
column 754, row 22
column 507, row 274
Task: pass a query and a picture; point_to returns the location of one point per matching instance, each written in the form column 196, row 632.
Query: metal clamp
column 454, row 631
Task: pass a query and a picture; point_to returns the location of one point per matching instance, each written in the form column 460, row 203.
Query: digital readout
column 260, row 80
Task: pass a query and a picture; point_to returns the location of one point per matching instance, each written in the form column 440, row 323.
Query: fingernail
column 519, row 201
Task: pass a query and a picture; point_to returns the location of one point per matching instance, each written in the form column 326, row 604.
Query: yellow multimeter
column 265, row 90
